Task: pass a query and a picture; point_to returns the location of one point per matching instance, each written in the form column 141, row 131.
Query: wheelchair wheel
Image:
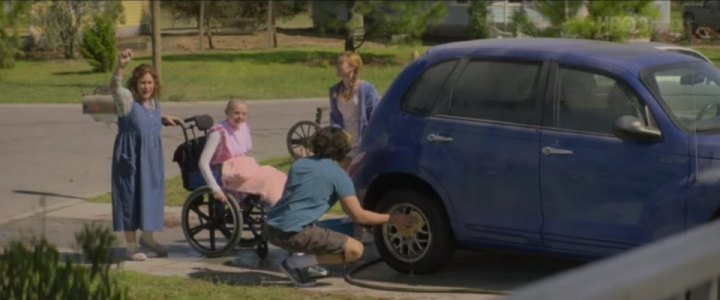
column 298, row 138
column 253, row 222
column 211, row 227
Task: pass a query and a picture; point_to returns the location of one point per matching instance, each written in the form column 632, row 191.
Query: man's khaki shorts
column 312, row 240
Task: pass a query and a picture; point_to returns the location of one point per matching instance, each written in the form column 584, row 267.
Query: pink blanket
column 243, row 174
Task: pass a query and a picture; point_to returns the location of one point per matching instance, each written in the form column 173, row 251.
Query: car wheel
column 424, row 249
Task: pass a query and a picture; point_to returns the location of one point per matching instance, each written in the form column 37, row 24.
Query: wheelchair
column 214, row 228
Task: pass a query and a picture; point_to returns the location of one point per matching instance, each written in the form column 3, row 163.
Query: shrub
column 99, row 46
column 35, row 270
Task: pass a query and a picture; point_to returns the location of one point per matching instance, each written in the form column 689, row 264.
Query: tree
column 62, row 21
column 9, row 43
column 478, row 14
column 237, row 14
column 614, row 20
column 365, row 19
column 558, row 12
column 99, row 46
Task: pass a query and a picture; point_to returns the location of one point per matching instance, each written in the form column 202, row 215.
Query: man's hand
column 403, row 221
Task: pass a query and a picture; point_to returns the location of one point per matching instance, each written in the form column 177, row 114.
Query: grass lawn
column 213, row 75
column 712, row 53
column 141, row 286
column 175, row 194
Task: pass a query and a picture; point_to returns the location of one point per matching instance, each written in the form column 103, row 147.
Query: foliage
column 230, row 13
column 9, row 43
column 61, row 22
column 479, row 23
column 35, row 270
column 365, row 19
column 522, row 24
column 555, row 11
column 614, row 21
column 99, row 46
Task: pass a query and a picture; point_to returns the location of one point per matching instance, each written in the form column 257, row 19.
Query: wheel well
column 383, row 184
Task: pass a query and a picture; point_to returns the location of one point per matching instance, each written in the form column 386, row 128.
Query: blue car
column 574, row 148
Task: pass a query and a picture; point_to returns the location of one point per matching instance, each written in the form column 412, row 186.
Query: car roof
column 630, row 58
column 671, row 47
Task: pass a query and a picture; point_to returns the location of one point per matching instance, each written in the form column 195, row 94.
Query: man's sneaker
column 298, row 276
column 317, row 271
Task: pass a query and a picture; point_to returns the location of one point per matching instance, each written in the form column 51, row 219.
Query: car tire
column 429, row 248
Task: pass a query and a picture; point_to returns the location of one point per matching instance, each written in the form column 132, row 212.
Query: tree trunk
column 208, row 32
column 349, row 42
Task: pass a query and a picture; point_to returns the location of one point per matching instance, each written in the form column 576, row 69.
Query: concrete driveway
column 57, row 152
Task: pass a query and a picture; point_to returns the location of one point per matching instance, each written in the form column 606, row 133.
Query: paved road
column 57, row 151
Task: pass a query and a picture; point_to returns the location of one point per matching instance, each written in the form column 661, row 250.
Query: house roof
column 591, row 52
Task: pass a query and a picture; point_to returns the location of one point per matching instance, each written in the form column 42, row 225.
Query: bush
column 99, row 46
column 34, row 270
column 479, row 24
column 521, row 24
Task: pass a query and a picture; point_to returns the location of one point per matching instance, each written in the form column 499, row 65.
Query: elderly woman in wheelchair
column 230, row 191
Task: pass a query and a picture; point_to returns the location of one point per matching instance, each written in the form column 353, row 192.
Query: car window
column 589, row 101
column 497, row 91
column 424, row 96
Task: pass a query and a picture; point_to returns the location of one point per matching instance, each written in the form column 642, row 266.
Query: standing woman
column 352, row 100
column 138, row 173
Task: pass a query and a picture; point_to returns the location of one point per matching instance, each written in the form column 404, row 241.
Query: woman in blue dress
column 138, row 173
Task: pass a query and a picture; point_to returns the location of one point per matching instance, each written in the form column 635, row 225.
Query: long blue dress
column 138, row 174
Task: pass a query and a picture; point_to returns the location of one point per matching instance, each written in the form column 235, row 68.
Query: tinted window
column 713, row 4
column 588, row 101
column 498, row 91
column 425, row 93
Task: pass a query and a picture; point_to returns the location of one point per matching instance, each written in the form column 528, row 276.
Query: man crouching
column 314, row 185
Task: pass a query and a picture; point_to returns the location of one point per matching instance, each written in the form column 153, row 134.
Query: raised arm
column 122, row 96
column 211, row 144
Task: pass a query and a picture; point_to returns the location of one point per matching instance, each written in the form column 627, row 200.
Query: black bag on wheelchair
column 187, row 155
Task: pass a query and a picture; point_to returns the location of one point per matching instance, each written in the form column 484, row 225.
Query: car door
column 481, row 144
column 602, row 194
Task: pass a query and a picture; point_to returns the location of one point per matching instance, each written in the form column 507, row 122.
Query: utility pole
column 201, row 25
column 156, row 43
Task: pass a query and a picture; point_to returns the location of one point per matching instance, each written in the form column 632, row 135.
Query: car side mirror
column 630, row 127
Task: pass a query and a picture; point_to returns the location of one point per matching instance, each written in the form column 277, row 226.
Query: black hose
column 395, row 288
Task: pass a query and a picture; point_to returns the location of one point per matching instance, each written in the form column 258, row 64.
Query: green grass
column 712, row 53
column 175, row 194
column 213, row 75
column 209, row 286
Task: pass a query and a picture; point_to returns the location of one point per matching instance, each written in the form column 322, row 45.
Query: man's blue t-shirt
column 313, row 187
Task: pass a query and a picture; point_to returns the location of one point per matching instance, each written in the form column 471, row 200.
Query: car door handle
column 438, row 138
column 556, row 151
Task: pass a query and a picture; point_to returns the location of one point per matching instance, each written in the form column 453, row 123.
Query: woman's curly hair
column 330, row 142
column 138, row 73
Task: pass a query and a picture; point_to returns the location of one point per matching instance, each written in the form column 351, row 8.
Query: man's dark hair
column 330, row 142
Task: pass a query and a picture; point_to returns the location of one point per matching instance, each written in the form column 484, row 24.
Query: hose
column 394, row 288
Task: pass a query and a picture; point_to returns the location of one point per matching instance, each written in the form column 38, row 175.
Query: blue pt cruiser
column 568, row 147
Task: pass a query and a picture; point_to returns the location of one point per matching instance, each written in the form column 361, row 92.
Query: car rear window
column 424, row 96
column 498, row 91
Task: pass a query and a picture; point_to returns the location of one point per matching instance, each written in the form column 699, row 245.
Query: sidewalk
column 243, row 267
